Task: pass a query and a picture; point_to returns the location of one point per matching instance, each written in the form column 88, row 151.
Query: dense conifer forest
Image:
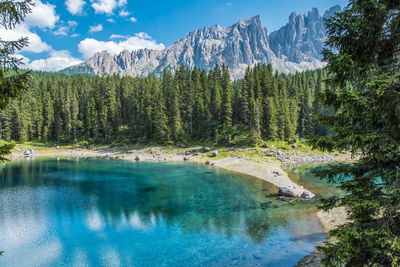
column 190, row 105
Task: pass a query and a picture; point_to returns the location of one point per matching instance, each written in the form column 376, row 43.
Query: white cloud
column 42, row 16
column 90, row 46
column 111, row 20
column 75, row 6
column 62, row 30
column 107, row 6
column 97, row 28
column 122, row 3
column 124, row 13
column 133, row 19
column 118, row 36
column 143, row 35
column 58, row 60
column 72, row 23
column 36, row 45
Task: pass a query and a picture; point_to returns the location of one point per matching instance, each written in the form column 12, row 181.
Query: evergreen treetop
column 363, row 74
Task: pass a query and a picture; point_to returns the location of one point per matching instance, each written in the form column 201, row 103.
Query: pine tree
column 364, row 93
column 76, row 124
column 92, row 120
column 255, row 131
column 173, row 108
column 246, row 95
column 216, row 102
column 226, row 108
column 160, row 120
column 12, row 80
column 199, row 114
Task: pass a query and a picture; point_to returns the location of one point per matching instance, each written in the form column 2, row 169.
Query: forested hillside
column 186, row 106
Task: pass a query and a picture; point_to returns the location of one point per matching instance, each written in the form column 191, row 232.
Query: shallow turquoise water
column 304, row 175
column 86, row 212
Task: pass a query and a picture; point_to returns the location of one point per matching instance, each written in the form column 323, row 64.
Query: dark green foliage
column 5, row 150
column 364, row 75
column 12, row 80
column 185, row 106
column 82, row 68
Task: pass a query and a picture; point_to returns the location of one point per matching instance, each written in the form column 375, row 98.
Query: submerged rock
column 285, row 199
column 265, row 205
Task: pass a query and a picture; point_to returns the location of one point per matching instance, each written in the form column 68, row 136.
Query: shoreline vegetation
column 267, row 162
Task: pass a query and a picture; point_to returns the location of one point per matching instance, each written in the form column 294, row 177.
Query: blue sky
column 66, row 32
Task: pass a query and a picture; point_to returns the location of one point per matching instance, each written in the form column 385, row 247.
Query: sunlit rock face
column 302, row 39
column 295, row 47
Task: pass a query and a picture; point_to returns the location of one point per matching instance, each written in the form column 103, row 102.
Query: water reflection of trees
column 121, row 191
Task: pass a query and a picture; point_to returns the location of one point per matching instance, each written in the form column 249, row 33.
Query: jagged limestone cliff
column 294, row 47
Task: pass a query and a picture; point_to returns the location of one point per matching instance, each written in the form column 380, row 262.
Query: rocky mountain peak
column 256, row 20
column 294, row 47
column 313, row 14
column 302, row 39
column 330, row 12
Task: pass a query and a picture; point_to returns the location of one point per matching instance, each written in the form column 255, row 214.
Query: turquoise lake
column 91, row 212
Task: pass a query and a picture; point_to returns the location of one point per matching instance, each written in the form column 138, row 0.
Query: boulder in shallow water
column 29, row 152
column 137, row 158
column 307, row 194
column 286, row 191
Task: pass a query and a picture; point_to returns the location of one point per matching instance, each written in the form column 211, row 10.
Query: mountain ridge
column 294, row 47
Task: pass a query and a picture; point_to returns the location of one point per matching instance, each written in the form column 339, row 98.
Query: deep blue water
column 86, row 212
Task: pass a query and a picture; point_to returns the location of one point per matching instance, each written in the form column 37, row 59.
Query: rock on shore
column 290, row 191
